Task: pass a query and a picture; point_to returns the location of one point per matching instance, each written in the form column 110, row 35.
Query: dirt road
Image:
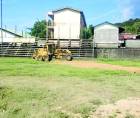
column 93, row 64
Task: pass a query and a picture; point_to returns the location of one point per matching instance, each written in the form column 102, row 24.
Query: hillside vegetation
column 131, row 26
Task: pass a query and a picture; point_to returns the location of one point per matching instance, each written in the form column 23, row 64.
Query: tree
column 131, row 26
column 39, row 29
column 137, row 27
column 87, row 33
column 90, row 31
column 83, row 33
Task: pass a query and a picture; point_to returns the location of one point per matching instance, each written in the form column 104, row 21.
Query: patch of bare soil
column 93, row 64
column 129, row 108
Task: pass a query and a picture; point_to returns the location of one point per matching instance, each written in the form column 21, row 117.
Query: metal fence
column 79, row 48
column 11, row 50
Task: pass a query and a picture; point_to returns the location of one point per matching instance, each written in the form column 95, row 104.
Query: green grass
column 125, row 62
column 31, row 89
column 29, row 67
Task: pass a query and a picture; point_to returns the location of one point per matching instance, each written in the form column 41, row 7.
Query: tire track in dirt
column 93, row 64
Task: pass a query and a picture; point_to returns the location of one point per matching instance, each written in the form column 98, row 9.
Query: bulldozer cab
column 50, row 47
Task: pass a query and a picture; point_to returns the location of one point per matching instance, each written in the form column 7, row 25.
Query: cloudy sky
column 23, row 13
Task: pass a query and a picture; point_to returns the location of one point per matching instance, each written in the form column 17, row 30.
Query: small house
column 7, row 36
column 106, row 35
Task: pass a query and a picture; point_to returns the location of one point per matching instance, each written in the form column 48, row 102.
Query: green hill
column 131, row 26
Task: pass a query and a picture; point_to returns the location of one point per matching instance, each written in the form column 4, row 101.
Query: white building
column 65, row 23
column 106, row 35
column 10, row 37
column 7, row 35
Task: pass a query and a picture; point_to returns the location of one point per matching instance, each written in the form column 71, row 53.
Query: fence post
column 69, row 43
column 93, row 49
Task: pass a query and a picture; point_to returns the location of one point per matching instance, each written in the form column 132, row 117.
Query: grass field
column 128, row 62
column 31, row 89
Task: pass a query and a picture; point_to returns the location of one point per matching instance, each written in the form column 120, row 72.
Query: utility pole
column 1, row 26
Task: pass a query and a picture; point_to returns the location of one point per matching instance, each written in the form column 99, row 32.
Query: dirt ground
column 129, row 108
column 93, row 64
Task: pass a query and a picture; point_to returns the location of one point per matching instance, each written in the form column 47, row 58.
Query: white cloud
column 127, row 13
column 109, row 13
column 126, row 9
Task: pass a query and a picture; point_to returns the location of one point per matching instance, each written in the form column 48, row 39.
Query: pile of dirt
column 129, row 108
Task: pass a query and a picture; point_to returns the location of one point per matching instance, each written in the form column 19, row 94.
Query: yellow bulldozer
column 49, row 51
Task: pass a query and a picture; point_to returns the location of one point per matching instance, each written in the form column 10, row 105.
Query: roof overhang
column 108, row 23
column 5, row 30
column 66, row 8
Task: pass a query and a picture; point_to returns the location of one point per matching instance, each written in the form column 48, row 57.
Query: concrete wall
column 107, row 45
column 132, row 43
column 67, row 25
column 117, row 53
column 106, row 35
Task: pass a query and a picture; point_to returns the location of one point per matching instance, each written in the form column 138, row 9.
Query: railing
column 17, row 51
column 74, row 43
column 50, row 24
column 78, row 48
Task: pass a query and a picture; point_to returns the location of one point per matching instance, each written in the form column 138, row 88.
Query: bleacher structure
column 8, row 50
column 83, row 48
